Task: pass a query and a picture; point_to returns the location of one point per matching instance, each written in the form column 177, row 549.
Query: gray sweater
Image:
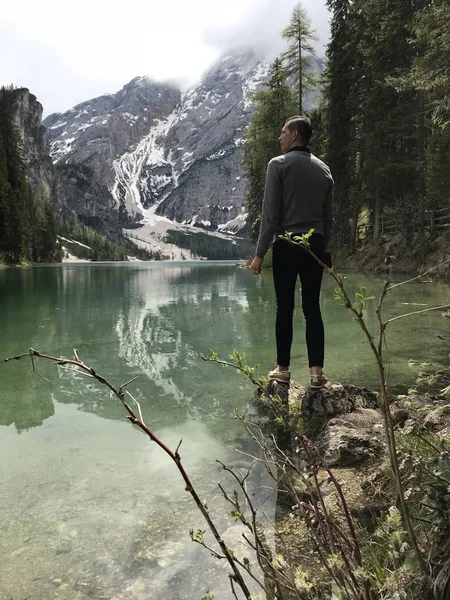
column 297, row 198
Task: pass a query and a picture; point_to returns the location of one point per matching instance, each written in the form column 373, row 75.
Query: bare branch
column 34, row 369
column 417, row 312
column 76, row 371
column 232, row 586
column 445, row 262
column 237, row 575
column 127, row 383
column 137, row 404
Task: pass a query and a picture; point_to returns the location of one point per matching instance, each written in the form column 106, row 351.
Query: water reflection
column 154, row 321
column 151, row 322
column 89, row 508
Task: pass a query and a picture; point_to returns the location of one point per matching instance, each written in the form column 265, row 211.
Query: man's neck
column 300, row 148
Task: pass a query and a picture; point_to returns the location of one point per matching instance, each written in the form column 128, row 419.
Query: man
column 297, row 198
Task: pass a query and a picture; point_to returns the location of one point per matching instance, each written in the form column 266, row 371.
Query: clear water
column 89, row 507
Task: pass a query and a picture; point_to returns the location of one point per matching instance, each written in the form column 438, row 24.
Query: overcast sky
column 66, row 53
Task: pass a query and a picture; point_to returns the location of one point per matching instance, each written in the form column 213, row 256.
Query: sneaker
column 281, row 376
column 317, row 381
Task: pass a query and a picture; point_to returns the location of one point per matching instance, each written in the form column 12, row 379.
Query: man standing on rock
column 297, row 198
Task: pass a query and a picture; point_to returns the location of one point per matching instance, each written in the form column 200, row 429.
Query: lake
column 89, row 507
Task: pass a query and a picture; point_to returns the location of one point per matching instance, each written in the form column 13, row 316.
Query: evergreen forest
column 381, row 117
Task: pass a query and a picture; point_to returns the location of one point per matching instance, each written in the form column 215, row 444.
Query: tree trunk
column 353, row 230
column 420, row 175
column 377, row 216
column 432, row 221
column 300, row 75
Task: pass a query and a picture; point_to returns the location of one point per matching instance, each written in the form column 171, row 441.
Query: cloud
column 67, row 57
column 261, row 27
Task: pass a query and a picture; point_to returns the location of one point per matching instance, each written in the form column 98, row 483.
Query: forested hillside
column 27, row 220
column 383, row 123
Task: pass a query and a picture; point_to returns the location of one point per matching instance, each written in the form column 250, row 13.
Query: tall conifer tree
column 273, row 107
column 298, row 59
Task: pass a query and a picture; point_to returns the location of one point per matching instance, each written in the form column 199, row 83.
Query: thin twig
column 232, row 586
column 73, row 369
column 445, row 262
column 417, row 312
column 127, row 383
column 137, row 404
column 35, row 371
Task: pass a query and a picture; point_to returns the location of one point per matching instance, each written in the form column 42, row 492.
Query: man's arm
column 273, row 194
column 328, row 215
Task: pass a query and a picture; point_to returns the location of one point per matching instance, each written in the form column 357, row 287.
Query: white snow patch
column 216, row 155
column 234, row 225
column 251, row 83
column 58, row 125
column 60, row 237
column 60, row 148
column 151, row 235
column 128, row 168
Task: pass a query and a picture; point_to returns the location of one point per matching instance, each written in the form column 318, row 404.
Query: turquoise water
column 89, row 507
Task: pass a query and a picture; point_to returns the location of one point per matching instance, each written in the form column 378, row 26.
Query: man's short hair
column 302, row 125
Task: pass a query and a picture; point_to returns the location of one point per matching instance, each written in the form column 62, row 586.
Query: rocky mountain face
column 27, row 113
column 164, row 154
column 73, row 189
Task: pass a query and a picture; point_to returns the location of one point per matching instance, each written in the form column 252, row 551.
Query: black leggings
column 288, row 262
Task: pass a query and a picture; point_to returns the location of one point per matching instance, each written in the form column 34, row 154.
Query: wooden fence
column 433, row 220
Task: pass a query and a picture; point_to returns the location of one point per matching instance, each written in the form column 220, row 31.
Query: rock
column 399, row 415
column 234, row 540
column 145, row 588
column 288, row 394
column 438, row 419
column 352, row 438
column 416, row 401
column 319, row 405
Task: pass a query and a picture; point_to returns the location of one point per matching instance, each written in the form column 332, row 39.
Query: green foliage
column 84, row 242
column 386, row 112
column 209, row 246
column 298, row 59
column 431, row 66
column 27, row 223
column 437, row 173
column 273, row 107
column 297, row 240
column 198, row 536
column 361, row 300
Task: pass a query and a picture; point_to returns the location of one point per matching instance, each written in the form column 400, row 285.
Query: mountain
column 164, row 155
column 27, row 116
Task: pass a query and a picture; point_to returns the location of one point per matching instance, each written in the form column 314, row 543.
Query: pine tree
column 298, row 59
column 431, row 67
column 44, row 228
column 16, row 242
column 5, row 203
column 273, row 107
column 339, row 116
column 391, row 118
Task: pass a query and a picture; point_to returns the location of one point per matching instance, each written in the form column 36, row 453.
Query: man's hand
column 256, row 265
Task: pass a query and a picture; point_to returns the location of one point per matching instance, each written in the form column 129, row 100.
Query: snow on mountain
column 167, row 156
